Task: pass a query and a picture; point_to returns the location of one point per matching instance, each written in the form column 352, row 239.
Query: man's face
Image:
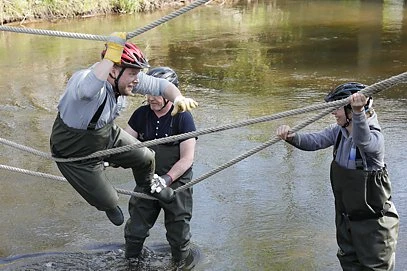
column 127, row 81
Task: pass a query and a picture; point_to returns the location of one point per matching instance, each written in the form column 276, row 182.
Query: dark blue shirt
column 148, row 126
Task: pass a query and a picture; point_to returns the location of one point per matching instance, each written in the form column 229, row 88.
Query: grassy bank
column 20, row 11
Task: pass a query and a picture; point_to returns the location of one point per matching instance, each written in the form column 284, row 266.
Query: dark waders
column 144, row 212
column 87, row 176
column 367, row 222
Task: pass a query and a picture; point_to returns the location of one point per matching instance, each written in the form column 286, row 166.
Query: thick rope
column 166, row 18
column 62, row 179
column 252, row 151
column 193, row 182
column 169, row 138
column 368, row 91
column 99, row 37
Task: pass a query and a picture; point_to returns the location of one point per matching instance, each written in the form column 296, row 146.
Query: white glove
column 157, row 184
column 182, row 104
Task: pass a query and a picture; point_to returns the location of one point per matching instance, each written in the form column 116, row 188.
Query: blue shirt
column 148, row 126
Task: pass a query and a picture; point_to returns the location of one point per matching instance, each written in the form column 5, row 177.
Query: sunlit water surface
column 271, row 211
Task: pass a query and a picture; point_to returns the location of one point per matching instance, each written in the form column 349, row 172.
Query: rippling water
column 271, row 211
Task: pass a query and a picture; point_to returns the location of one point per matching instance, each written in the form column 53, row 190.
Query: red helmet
column 132, row 57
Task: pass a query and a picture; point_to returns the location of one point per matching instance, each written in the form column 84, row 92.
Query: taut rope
column 328, row 107
column 368, row 91
column 103, row 38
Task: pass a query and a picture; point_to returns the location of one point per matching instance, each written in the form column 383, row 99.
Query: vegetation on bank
column 20, row 11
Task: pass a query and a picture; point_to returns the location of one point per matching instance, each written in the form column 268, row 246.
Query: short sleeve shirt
column 149, row 127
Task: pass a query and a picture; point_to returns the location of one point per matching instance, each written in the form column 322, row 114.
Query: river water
column 271, row 211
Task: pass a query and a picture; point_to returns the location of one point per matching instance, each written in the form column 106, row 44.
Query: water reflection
column 272, row 211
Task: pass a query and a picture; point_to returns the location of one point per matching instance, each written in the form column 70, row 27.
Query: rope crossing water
column 103, row 38
column 368, row 91
column 326, row 107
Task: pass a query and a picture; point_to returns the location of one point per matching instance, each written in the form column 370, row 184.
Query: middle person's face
column 156, row 102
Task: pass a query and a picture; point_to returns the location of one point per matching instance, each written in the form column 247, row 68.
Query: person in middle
column 174, row 164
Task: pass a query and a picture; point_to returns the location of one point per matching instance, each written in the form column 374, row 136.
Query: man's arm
column 162, row 87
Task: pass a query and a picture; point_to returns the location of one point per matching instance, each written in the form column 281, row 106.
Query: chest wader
column 366, row 220
column 177, row 214
column 85, row 175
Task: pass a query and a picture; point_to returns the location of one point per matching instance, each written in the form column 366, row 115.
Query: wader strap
column 94, row 120
column 360, row 217
column 358, row 159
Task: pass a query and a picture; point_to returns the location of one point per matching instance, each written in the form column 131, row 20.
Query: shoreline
column 101, row 10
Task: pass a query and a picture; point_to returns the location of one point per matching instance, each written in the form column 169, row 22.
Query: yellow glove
column 182, row 104
column 114, row 47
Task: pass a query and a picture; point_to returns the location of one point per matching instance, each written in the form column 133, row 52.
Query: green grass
column 28, row 10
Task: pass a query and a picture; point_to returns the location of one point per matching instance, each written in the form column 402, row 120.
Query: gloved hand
column 167, row 178
column 182, row 104
column 114, row 47
column 157, row 184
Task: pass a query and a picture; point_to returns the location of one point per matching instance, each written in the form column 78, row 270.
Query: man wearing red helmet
column 367, row 222
column 93, row 98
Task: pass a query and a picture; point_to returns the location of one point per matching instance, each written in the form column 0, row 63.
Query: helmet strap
column 348, row 120
column 116, row 82
column 165, row 104
column 347, row 123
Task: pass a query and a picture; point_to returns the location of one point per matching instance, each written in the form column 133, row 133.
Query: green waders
column 177, row 214
column 367, row 222
column 87, row 176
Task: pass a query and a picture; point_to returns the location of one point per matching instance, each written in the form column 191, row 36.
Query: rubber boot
column 133, row 249
column 115, row 216
column 189, row 262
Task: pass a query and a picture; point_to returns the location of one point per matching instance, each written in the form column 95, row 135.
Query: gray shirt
column 369, row 141
column 84, row 94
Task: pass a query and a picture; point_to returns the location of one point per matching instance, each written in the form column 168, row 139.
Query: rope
column 192, row 182
column 166, row 18
column 252, row 151
column 368, row 91
column 171, row 138
column 62, row 179
column 99, row 37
